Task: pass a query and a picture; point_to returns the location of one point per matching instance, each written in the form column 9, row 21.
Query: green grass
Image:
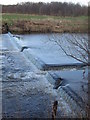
column 22, row 17
column 10, row 17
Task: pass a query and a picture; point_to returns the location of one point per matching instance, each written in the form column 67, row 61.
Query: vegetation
column 45, row 17
column 53, row 8
column 74, row 46
column 26, row 23
column 14, row 16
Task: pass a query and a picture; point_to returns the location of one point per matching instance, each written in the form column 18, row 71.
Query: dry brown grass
column 46, row 26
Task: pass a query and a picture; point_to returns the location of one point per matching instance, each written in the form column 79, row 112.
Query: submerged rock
column 57, row 83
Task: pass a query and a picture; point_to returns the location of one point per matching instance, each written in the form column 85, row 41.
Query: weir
column 60, row 82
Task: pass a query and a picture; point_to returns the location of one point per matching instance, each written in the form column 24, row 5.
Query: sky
column 10, row 2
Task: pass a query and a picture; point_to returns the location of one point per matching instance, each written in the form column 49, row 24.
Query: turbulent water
column 44, row 47
column 27, row 91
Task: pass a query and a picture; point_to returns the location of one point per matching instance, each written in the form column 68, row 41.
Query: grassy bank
column 25, row 23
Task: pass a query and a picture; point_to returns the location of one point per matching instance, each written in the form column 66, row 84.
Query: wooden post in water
column 54, row 110
column 6, row 27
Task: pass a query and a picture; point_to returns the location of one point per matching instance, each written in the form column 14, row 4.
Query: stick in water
column 54, row 110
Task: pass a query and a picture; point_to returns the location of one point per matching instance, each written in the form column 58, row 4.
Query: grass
column 22, row 16
column 14, row 16
column 45, row 22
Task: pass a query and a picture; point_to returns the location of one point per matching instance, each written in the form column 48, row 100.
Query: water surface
column 44, row 47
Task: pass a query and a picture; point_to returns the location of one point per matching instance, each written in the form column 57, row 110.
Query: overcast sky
column 6, row 2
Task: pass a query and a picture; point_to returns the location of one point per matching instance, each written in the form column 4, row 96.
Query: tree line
column 53, row 8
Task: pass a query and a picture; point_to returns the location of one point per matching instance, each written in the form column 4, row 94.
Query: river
column 44, row 47
column 28, row 91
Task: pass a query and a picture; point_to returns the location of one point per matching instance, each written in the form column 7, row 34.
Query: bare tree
column 53, row 8
column 74, row 46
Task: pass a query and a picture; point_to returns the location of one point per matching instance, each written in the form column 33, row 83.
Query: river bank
column 20, row 24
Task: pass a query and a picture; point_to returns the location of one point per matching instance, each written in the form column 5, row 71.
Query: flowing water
column 44, row 47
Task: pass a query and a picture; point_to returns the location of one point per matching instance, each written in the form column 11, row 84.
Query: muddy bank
column 46, row 26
